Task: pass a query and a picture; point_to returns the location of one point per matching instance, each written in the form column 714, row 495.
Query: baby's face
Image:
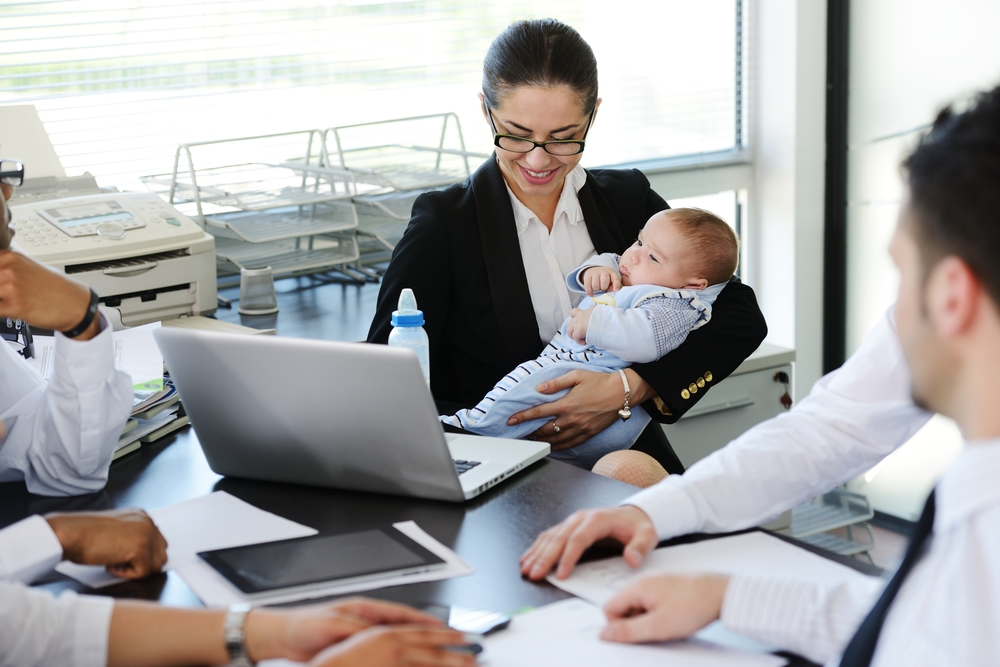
column 661, row 256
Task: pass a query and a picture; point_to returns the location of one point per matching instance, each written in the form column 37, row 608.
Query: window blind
column 119, row 83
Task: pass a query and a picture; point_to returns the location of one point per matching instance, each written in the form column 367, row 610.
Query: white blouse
column 549, row 256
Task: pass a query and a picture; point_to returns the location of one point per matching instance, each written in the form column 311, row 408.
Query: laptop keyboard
column 462, row 465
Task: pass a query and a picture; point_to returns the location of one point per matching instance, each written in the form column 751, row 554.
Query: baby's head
column 682, row 248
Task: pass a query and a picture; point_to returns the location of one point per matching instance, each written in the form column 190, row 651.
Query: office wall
column 788, row 88
column 908, row 58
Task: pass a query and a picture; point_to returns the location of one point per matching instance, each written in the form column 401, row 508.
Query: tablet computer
column 311, row 562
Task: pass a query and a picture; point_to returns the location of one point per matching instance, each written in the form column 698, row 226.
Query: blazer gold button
column 700, row 382
column 685, row 394
column 708, row 376
column 693, row 388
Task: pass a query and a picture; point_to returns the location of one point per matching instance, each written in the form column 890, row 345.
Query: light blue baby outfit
column 636, row 324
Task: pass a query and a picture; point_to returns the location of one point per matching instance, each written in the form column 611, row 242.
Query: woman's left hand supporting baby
column 591, row 406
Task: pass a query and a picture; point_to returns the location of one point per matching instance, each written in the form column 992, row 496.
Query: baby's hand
column 579, row 322
column 600, row 279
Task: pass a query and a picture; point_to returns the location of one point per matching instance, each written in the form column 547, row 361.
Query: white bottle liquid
column 408, row 331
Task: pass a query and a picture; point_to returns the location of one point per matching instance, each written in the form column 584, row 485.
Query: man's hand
column 578, row 324
column 664, row 608
column 600, row 279
column 126, row 542
column 40, row 296
column 566, row 542
column 359, row 631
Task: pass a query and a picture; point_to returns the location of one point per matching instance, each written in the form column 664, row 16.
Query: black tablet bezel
column 213, row 558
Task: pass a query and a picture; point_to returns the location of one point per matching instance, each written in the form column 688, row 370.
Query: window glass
column 119, row 83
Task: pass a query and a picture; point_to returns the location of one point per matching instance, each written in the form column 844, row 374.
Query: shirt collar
column 569, row 202
column 969, row 485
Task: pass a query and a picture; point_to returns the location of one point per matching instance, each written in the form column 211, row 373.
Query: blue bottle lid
column 410, row 318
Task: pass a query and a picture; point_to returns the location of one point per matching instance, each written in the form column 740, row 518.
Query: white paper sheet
column 135, row 350
column 137, row 353
column 216, row 521
column 215, row 591
column 749, row 553
column 567, row 633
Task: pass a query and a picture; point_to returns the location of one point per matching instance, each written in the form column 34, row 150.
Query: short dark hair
column 542, row 52
column 954, row 181
column 714, row 245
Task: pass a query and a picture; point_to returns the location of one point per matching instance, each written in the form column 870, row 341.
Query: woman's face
column 539, row 114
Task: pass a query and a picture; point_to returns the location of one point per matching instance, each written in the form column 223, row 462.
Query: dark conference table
column 489, row 532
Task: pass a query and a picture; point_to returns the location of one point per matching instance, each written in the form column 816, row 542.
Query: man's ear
column 952, row 295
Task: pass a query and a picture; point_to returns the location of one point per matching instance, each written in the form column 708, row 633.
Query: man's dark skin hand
column 126, row 542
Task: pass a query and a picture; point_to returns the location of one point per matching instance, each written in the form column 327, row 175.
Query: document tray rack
column 270, row 200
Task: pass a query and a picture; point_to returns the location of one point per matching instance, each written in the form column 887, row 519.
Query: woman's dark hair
column 542, row 52
column 954, row 179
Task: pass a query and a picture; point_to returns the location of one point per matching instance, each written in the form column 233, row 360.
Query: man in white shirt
column 942, row 604
column 61, row 434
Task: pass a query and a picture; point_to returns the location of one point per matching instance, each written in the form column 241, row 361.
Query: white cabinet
column 747, row 397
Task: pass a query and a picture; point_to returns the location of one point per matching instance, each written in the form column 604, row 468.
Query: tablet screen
column 320, row 559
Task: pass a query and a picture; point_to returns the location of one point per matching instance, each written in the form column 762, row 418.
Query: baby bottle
column 408, row 331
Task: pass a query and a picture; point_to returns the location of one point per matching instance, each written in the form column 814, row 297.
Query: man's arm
column 852, row 419
column 125, row 541
column 62, row 433
column 810, row 619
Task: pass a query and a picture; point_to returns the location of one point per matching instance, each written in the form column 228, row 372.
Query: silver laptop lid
column 312, row 412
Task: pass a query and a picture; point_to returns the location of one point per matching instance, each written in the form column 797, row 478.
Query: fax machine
column 146, row 260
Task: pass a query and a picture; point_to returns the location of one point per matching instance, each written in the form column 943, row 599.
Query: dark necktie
column 861, row 648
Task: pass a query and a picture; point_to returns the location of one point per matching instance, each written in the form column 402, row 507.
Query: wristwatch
column 236, row 644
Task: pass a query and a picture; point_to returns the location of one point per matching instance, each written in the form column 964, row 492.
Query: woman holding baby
column 488, row 259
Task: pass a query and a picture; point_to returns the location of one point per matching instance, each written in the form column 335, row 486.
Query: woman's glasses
column 560, row 147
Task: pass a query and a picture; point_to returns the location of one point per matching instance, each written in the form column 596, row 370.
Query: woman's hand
column 591, row 406
column 388, row 646
column 301, row 634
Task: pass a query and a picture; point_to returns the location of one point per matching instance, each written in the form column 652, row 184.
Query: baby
column 639, row 306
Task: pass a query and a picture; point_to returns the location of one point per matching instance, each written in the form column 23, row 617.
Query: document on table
column 749, row 553
column 568, row 633
column 135, row 350
column 215, row 590
column 216, row 521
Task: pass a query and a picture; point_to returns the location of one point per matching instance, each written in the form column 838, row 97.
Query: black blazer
column 461, row 257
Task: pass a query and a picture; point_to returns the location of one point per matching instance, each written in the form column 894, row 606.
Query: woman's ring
column 555, row 427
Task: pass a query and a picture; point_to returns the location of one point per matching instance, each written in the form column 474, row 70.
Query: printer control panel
column 99, row 226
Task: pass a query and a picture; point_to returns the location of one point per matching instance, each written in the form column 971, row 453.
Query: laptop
column 341, row 415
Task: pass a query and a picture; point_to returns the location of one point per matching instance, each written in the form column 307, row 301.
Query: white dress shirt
column 549, row 256
column 852, row 419
column 61, row 434
column 947, row 610
column 36, row 628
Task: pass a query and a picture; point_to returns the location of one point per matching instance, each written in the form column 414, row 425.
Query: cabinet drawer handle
column 721, row 407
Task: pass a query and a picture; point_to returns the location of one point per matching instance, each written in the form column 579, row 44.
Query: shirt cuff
column 28, row 549
column 86, row 362
column 91, row 629
column 668, row 506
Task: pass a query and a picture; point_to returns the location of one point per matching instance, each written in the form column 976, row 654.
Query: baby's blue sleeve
column 645, row 333
column 608, row 259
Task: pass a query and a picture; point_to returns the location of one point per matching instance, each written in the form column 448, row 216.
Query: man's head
column 682, row 248
column 947, row 247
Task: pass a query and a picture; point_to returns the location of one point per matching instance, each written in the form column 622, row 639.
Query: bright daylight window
column 119, row 83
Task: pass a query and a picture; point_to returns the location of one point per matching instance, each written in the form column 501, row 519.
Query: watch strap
column 236, row 645
column 88, row 318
